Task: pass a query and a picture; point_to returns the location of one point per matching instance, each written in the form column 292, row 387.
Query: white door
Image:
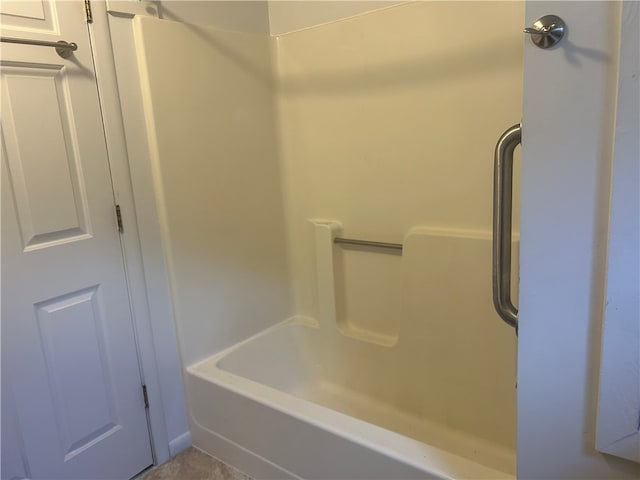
column 568, row 128
column 69, row 362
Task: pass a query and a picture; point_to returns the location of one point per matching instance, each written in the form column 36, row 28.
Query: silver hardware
column 87, row 11
column 145, row 396
column 547, row 31
column 368, row 243
column 64, row 49
column 502, row 209
column 119, row 219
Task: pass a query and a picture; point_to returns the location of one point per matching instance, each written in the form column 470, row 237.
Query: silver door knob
column 547, row 31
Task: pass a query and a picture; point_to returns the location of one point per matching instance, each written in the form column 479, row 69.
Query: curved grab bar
column 502, row 209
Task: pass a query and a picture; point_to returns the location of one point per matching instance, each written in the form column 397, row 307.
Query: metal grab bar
column 64, row 49
column 502, row 209
column 368, row 243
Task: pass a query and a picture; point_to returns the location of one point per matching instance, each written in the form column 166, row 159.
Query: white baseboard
column 180, row 443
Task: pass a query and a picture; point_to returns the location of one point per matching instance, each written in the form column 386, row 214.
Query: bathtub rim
column 399, row 447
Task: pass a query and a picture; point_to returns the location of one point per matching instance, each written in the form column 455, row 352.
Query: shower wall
column 209, row 99
column 244, row 16
column 392, row 136
column 387, row 132
column 289, row 16
column 384, row 123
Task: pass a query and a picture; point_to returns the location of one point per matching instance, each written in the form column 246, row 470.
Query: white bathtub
column 273, row 409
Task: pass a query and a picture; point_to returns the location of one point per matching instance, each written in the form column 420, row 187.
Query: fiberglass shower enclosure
column 291, row 147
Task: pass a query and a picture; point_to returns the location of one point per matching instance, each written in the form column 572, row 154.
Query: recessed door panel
column 30, row 16
column 82, row 391
column 42, row 151
column 32, row 9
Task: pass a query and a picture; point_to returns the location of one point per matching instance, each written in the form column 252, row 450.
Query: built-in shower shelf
column 359, row 285
column 373, row 296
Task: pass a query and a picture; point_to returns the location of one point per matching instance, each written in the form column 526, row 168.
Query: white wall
column 619, row 396
column 237, row 15
column 569, row 103
column 288, row 16
column 273, row 17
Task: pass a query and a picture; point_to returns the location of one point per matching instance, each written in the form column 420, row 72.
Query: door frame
column 141, row 240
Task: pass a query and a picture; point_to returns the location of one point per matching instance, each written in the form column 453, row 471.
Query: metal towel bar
column 368, row 243
column 64, row 49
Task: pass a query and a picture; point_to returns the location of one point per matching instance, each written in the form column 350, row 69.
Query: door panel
column 69, row 354
column 30, row 16
column 42, row 92
column 82, row 393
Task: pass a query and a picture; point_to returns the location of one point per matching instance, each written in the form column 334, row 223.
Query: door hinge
column 87, row 11
column 145, row 396
column 119, row 218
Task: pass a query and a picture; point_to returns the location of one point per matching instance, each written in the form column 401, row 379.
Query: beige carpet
column 193, row 464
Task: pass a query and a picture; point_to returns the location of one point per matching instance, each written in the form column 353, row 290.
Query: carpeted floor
column 193, row 464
